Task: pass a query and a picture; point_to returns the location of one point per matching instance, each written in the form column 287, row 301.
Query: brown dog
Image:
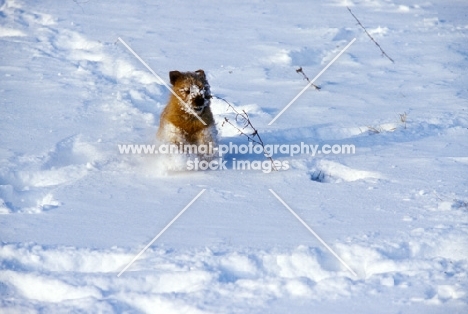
column 179, row 123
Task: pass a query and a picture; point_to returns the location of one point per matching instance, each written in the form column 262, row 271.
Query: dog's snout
column 199, row 101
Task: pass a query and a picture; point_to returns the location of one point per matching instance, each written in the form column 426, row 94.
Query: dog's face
column 192, row 88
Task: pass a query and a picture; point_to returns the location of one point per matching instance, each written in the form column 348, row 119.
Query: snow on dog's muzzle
column 195, row 91
column 198, row 97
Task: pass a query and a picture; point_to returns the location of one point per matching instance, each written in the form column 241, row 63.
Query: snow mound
column 330, row 171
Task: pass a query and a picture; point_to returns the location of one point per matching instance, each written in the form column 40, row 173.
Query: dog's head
column 192, row 88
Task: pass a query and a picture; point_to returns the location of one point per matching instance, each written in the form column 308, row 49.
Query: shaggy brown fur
column 180, row 125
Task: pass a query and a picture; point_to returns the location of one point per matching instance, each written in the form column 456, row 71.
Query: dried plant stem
column 252, row 133
column 365, row 30
column 307, row 78
column 403, row 118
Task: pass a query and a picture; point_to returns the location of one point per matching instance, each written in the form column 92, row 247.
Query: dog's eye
column 185, row 90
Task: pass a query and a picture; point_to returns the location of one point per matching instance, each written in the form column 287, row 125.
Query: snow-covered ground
column 74, row 212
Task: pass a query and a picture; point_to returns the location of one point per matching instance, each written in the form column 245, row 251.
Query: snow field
column 74, row 212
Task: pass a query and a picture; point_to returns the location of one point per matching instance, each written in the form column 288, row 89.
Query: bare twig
column 78, row 3
column 365, row 30
column 247, row 130
column 307, row 78
column 403, row 118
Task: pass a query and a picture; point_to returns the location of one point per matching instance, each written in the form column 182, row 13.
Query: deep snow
column 74, row 211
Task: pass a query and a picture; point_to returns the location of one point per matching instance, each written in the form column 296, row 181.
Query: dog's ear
column 174, row 76
column 201, row 73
